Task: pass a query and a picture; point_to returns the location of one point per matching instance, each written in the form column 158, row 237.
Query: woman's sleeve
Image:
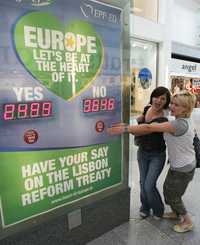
column 180, row 125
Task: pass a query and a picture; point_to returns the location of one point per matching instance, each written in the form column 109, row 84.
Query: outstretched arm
column 141, row 129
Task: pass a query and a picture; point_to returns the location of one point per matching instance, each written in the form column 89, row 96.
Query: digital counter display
column 27, row 110
column 98, row 105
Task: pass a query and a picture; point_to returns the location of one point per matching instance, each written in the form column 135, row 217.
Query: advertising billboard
column 60, row 88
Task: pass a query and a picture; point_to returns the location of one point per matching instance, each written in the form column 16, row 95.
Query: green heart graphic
column 65, row 59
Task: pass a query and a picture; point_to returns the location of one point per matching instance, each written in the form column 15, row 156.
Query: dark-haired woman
column 151, row 154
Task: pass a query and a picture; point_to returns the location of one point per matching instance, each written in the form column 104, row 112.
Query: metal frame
column 125, row 6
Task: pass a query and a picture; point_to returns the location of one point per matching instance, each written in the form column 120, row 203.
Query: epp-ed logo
column 87, row 10
column 90, row 11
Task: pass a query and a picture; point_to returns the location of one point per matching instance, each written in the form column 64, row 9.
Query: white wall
column 158, row 33
column 178, row 22
column 186, row 21
column 146, row 29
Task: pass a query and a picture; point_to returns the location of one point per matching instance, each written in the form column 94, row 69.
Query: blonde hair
column 187, row 100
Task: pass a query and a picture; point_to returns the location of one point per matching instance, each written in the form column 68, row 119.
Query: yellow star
column 70, row 41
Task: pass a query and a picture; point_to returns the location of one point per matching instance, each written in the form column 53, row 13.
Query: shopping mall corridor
column 150, row 231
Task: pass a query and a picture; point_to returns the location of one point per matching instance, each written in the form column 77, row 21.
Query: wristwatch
column 126, row 129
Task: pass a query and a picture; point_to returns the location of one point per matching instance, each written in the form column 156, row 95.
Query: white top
column 180, row 145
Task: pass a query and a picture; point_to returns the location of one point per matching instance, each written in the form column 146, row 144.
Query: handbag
column 196, row 143
column 137, row 140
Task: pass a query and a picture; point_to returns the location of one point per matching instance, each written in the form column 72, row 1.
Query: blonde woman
column 178, row 135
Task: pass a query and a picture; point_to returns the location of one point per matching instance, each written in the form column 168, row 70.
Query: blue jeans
column 150, row 167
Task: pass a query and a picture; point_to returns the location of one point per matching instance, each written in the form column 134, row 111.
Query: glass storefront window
column 146, row 8
column 192, row 84
column 143, row 69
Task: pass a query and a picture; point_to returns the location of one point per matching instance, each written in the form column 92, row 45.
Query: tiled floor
column 149, row 231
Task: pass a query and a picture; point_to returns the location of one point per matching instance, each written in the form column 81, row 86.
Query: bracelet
column 126, row 129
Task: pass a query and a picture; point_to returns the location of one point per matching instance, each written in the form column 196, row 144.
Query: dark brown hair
column 161, row 91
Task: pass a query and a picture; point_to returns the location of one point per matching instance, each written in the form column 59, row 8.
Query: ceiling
column 190, row 4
